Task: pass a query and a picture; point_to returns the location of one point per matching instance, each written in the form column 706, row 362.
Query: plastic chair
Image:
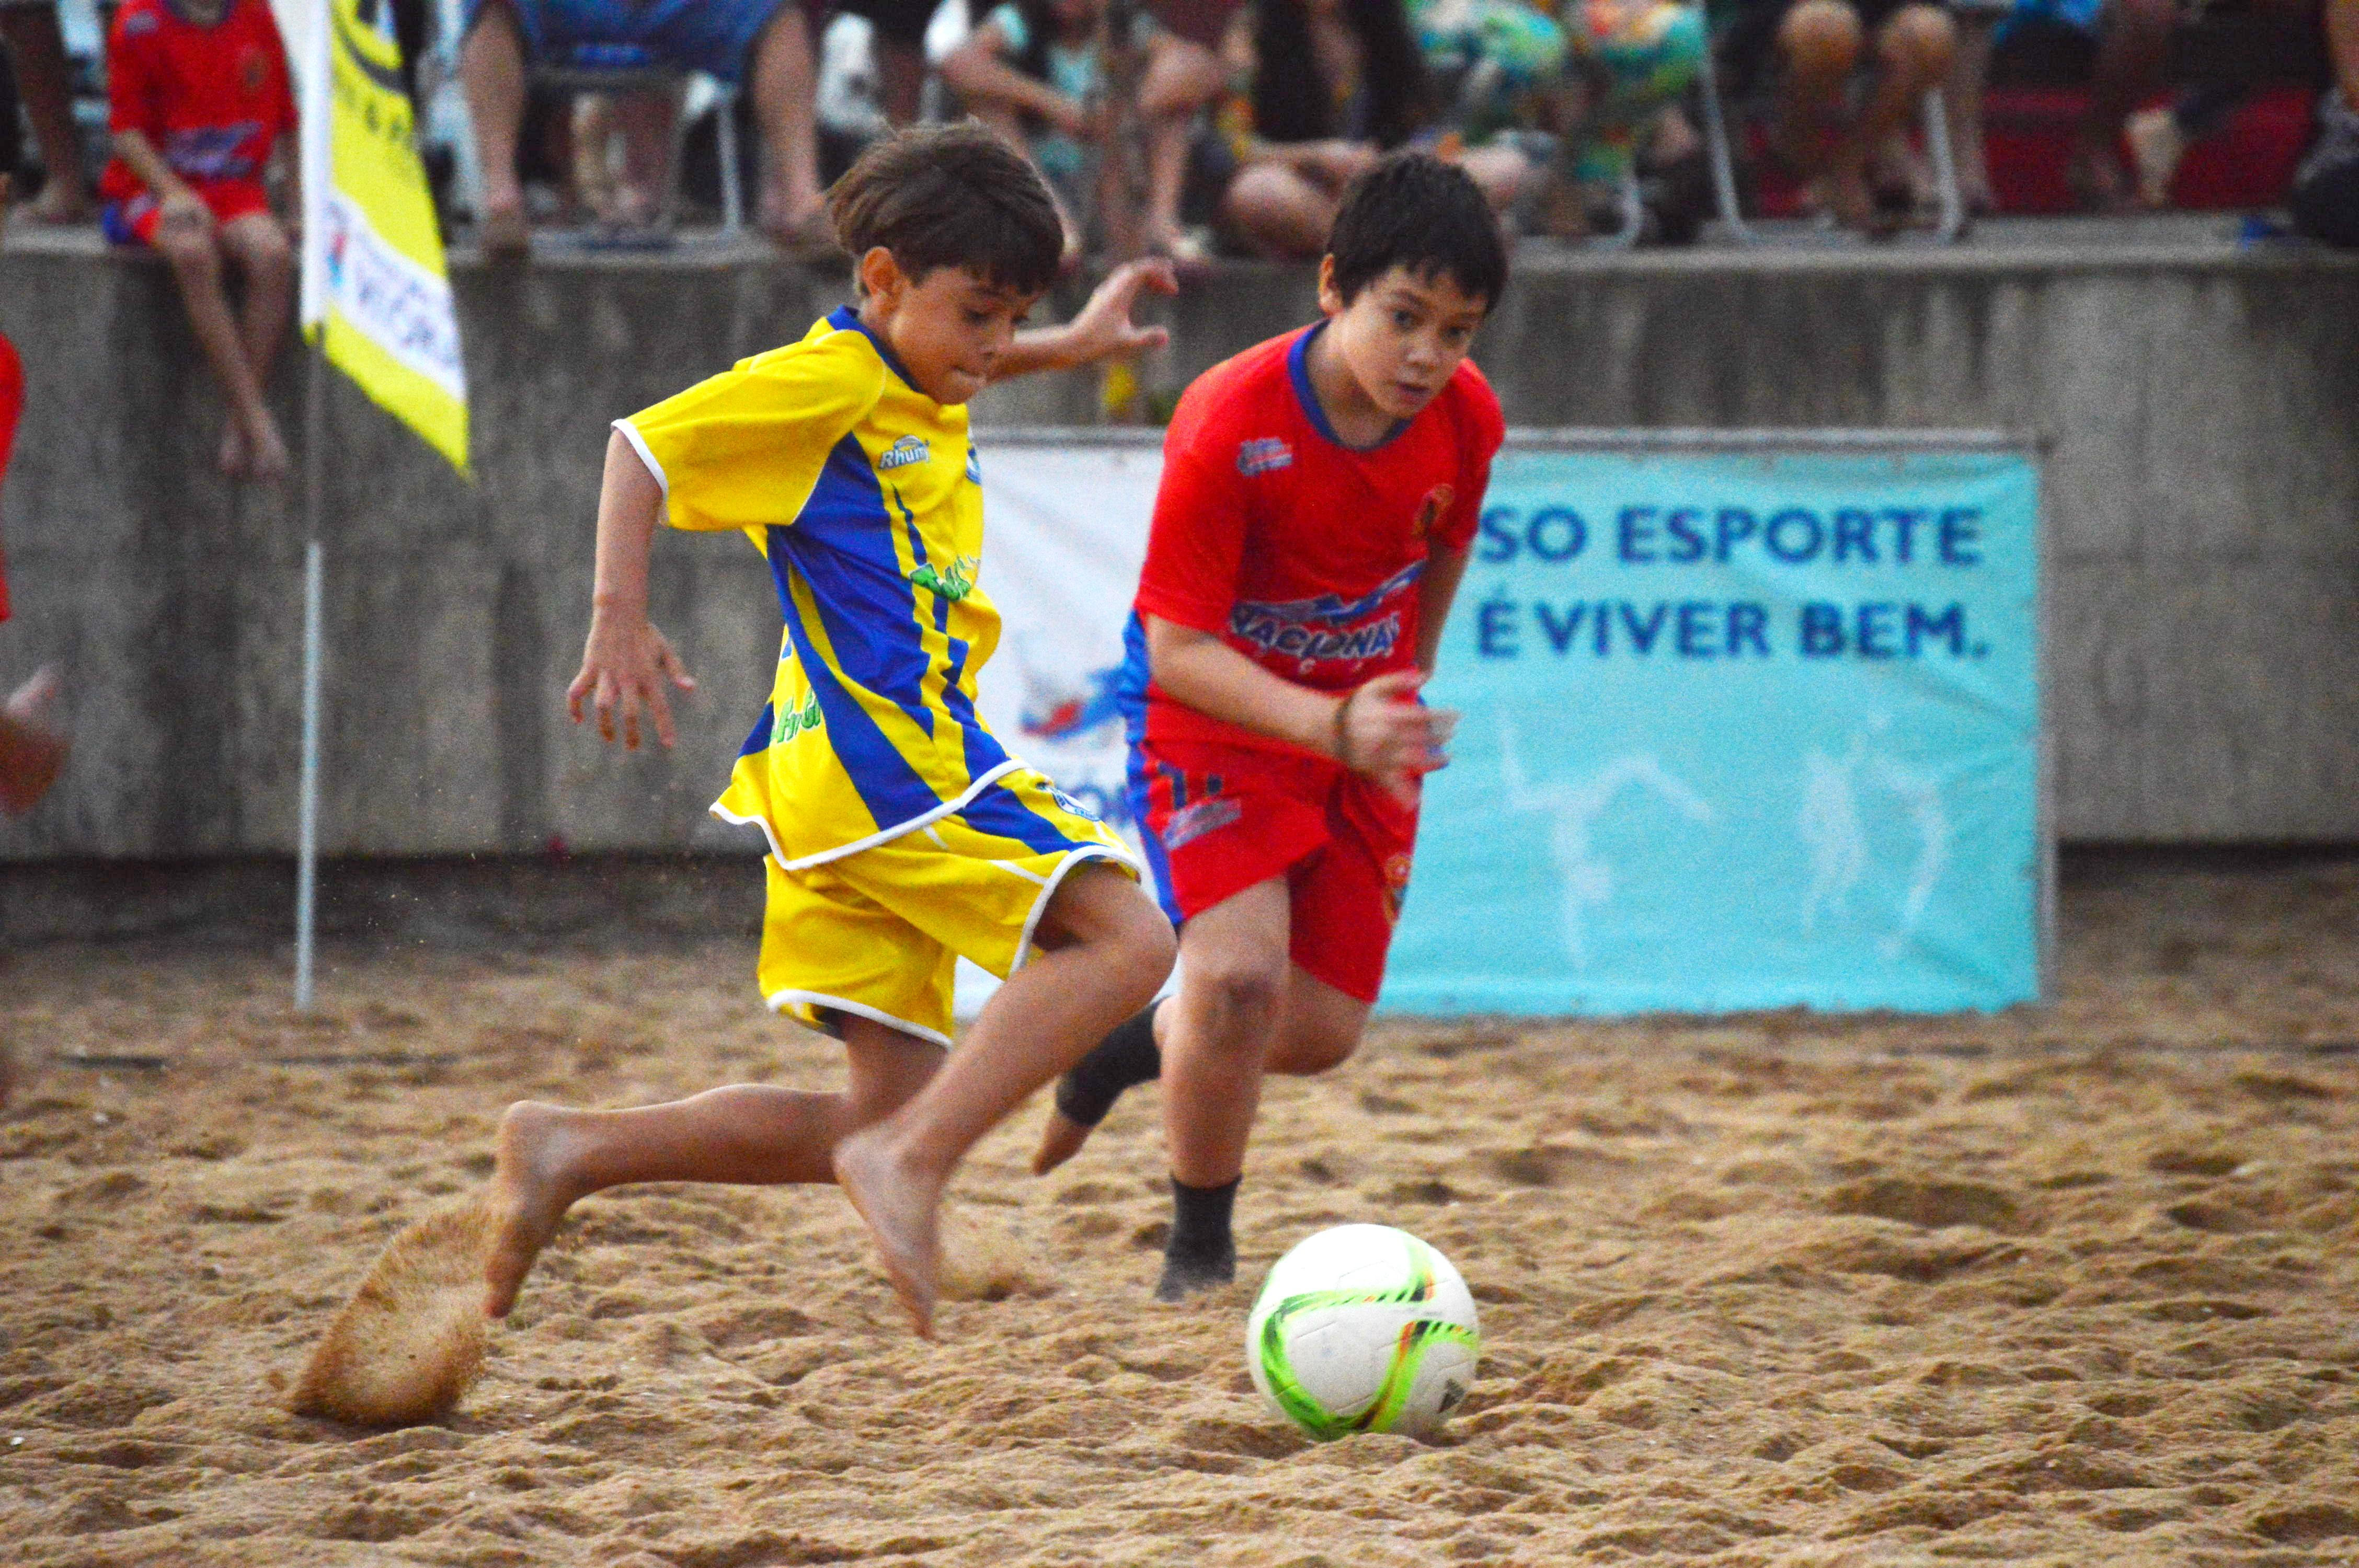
column 1951, row 226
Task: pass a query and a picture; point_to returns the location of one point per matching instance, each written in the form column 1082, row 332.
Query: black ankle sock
column 1202, row 1251
column 1125, row 1057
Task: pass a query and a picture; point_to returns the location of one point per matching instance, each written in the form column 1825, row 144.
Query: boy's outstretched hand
column 1104, row 329
column 624, row 667
column 1383, row 731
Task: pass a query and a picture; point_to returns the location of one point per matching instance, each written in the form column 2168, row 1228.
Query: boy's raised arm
column 1103, row 330
column 626, row 661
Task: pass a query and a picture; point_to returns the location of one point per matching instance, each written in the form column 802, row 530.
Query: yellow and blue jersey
column 865, row 495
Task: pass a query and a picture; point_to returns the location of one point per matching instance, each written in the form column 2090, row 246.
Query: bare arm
column 1103, row 330
column 975, row 71
column 1436, row 592
column 626, row 661
column 1377, row 729
column 139, row 155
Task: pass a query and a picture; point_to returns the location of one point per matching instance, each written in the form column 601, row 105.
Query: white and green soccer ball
column 1364, row 1328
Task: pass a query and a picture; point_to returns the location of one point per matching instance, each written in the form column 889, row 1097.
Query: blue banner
column 1742, row 729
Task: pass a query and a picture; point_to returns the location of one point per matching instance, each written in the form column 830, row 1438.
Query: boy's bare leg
column 1819, row 42
column 194, row 249
column 1105, row 950
column 550, row 1157
column 262, row 248
column 1318, row 1029
column 1915, row 50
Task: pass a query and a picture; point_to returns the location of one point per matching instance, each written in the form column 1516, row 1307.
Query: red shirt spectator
column 213, row 101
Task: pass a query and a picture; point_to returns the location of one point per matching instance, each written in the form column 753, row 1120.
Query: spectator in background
column 765, row 44
column 1186, row 74
column 1816, row 46
column 1334, row 85
column 1633, row 62
column 1036, row 73
column 2325, row 199
column 2133, row 39
column 199, row 100
column 38, row 51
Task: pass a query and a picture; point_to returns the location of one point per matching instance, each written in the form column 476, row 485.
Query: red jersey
column 213, row 101
column 1300, row 551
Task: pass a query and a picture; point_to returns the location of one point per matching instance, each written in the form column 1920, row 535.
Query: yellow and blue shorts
column 878, row 933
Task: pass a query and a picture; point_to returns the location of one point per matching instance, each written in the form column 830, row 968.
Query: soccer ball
column 1362, row 1328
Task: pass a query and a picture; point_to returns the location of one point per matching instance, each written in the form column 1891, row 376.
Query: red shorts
column 1217, row 820
column 135, row 220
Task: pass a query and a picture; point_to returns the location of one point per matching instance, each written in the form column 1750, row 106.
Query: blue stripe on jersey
column 888, row 786
column 983, row 751
column 844, row 318
column 1129, row 690
column 842, row 543
column 759, row 740
column 1159, row 863
column 1297, row 370
column 1000, row 810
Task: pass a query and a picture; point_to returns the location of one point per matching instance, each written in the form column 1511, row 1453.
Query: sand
column 2067, row 1285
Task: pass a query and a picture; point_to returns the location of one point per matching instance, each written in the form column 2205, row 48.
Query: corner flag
column 375, row 292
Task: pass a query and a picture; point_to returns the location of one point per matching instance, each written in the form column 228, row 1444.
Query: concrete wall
column 2204, row 494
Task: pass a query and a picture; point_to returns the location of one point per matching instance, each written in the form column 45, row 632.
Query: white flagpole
column 317, row 173
column 307, row 852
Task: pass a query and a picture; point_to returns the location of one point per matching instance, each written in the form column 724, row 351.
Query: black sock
column 1122, row 1058
column 1202, row 1251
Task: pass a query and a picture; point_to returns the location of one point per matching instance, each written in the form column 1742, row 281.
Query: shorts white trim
column 883, row 836
column 781, row 1000
column 1074, row 857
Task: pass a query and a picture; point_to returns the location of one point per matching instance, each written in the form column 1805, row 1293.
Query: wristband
column 1342, row 734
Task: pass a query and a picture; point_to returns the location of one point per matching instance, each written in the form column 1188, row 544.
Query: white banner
column 1066, row 530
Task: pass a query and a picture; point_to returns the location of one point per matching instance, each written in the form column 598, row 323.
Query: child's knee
column 194, row 253
column 1820, row 38
column 1920, row 41
column 1238, row 994
column 263, row 247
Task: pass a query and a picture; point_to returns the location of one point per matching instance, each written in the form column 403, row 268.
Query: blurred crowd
column 1193, row 127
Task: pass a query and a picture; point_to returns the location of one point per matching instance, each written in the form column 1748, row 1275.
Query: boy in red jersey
column 1319, row 493
column 199, row 97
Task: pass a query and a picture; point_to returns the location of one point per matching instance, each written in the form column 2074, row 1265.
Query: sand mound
column 410, row 1343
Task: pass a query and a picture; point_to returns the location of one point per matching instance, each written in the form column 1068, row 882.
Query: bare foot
column 531, row 1187
column 503, row 234
column 1061, row 1139
column 804, row 234
column 266, row 450
column 900, row 1207
column 234, row 462
column 61, row 202
column 32, row 752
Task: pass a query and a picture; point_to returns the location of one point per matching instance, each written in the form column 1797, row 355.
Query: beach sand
column 2073, row 1285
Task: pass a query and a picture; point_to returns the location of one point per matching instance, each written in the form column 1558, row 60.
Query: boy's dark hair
column 1417, row 211
column 941, row 195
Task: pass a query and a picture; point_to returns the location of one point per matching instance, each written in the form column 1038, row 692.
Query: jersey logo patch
column 1428, row 510
column 973, row 466
column 953, row 585
column 796, row 721
column 1266, row 454
column 1191, row 823
column 902, row 453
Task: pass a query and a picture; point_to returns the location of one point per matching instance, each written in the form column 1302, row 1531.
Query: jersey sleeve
column 1481, row 429
column 744, row 449
column 1195, row 543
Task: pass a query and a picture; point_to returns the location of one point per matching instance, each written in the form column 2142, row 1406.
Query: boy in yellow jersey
column 901, row 835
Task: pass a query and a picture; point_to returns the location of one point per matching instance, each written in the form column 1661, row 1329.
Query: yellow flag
column 373, row 283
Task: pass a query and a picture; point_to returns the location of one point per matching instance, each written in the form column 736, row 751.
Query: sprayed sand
column 2075, row 1286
